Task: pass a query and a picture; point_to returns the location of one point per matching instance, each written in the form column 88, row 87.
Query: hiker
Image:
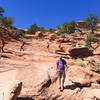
column 48, row 45
column 2, row 45
column 61, row 68
column 21, row 45
column 77, row 44
column 59, row 45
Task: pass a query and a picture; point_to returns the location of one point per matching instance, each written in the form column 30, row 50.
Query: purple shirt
column 60, row 64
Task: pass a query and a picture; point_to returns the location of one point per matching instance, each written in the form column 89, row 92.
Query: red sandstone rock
column 83, row 51
column 82, row 76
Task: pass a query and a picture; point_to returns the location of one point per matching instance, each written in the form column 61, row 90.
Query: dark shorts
column 21, row 47
column 61, row 74
column 47, row 46
column 59, row 46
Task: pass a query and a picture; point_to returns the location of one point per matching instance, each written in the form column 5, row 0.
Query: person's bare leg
column 63, row 81
column 59, row 82
column 2, row 49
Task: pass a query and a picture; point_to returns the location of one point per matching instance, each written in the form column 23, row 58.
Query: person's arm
column 66, row 66
column 56, row 65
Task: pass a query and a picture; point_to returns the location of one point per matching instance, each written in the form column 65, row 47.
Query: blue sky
column 48, row 13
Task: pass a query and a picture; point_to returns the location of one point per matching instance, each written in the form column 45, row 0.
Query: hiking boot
column 59, row 86
column 62, row 87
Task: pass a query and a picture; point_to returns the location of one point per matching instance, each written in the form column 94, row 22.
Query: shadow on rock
column 72, row 87
column 25, row 98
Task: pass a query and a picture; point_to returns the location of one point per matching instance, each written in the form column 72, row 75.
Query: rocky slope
column 36, row 69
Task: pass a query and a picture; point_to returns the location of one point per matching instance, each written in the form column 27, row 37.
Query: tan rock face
column 10, row 90
column 96, row 93
column 82, row 76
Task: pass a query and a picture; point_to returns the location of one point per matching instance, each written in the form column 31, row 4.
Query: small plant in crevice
column 89, row 39
column 80, row 63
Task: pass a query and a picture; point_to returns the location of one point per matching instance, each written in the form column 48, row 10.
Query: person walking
column 2, row 45
column 61, row 67
column 59, row 44
column 48, row 45
column 21, row 45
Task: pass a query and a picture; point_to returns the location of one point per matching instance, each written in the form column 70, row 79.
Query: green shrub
column 80, row 63
column 89, row 39
column 75, row 34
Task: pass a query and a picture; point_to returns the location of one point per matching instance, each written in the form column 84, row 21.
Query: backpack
column 22, row 43
column 60, row 65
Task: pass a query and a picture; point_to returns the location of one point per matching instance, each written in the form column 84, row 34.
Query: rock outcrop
column 82, row 76
column 10, row 90
column 6, row 34
column 83, row 51
column 38, row 35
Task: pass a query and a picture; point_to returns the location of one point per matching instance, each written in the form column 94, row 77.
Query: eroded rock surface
column 82, row 76
column 10, row 90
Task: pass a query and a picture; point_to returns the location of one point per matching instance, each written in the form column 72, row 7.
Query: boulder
column 10, row 90
column 83, row 51
column 62, row 49
column 38, row 35
column 95, row 86
column 51, row 37
column 82, row 76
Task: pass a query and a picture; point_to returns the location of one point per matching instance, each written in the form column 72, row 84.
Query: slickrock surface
column 36, row 69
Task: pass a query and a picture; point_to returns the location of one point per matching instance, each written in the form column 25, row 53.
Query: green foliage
column 54, row 35
column 89, row 39
column 7, row 21
column 80, row 63
column 90, row 36
column 50, row 30
column 58, row 27
column 42, row 29
column 63, row 35
column 75, row 34
column 91, row 22
column 68, row 27
column 34, row 28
